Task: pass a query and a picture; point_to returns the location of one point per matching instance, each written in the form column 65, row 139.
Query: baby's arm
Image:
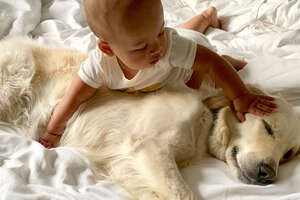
column 223, row 74
column 78, row 93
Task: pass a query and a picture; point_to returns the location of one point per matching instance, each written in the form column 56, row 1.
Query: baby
column 136, row 52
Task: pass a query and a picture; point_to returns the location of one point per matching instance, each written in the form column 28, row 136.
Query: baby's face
column 141, row 37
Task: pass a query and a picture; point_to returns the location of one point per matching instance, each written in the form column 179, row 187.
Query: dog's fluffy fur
column 141, row 140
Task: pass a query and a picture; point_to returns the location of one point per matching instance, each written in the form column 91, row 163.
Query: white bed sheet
column 28, row 171
column 252, row 28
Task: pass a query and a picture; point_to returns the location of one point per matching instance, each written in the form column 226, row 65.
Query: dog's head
column 255, row 148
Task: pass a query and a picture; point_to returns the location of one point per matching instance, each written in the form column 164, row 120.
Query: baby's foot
column 50, row 140
column 211, row 15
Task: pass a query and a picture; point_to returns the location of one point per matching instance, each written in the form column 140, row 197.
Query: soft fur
column 141, row 140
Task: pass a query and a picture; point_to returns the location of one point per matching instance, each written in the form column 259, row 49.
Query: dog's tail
column 17, row 68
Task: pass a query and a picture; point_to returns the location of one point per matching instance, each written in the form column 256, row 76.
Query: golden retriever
column 141, row 140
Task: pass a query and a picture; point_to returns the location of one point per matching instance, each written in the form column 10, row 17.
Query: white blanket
column 251, row 28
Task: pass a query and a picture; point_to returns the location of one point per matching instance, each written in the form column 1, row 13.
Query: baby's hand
column 50, row 140
column 255, row 104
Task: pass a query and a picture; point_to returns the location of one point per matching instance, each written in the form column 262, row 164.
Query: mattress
column 266, row 33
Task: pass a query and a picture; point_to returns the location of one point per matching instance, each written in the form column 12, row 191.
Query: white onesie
column 99, row 69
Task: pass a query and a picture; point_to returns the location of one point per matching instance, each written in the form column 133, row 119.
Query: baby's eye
column 142, row 48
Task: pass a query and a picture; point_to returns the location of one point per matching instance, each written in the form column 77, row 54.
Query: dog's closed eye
column 288, row 154
column 268, row 128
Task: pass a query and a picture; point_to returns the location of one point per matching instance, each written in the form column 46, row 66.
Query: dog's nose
column 266, row 173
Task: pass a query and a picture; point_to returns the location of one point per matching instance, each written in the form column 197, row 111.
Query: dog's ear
column 217, row 102
column 220, row 135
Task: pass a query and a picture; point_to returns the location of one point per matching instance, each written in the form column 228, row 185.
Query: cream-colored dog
column 141, row 140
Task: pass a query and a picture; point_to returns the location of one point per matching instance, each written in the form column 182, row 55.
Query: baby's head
column 132, row 30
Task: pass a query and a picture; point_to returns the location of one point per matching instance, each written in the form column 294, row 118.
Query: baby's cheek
column 165, row 45
column 139, row 61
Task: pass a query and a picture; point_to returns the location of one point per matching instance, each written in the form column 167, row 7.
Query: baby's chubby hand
column 256, row 104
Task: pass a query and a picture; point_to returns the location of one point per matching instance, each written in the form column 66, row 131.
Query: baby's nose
column 155, row 52
column 156, row 48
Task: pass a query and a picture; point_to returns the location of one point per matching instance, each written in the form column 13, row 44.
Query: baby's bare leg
column 201, row 22
column 196, row 78
column 237, row 64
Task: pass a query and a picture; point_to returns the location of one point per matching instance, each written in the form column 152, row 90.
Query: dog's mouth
column 241, row 175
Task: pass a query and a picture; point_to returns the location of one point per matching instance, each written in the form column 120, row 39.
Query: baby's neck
column 128, row 73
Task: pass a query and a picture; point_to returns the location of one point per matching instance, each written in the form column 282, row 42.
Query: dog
column 142, row 140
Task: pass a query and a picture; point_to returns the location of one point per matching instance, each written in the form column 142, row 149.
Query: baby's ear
column 105, row 48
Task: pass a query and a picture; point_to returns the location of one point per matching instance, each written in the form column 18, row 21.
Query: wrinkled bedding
column 264, row 32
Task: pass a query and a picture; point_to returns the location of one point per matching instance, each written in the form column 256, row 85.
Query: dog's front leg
column 159, row 173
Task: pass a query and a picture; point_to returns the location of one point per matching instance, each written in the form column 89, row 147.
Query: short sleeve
column 90, row 70
column 182, row 51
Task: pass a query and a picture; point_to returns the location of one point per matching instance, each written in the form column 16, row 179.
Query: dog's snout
column 262, row 172
column 266, row 173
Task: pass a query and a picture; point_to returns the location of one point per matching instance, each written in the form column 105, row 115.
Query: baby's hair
column 100, row 13
column 103, row 16
column 97, row 14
